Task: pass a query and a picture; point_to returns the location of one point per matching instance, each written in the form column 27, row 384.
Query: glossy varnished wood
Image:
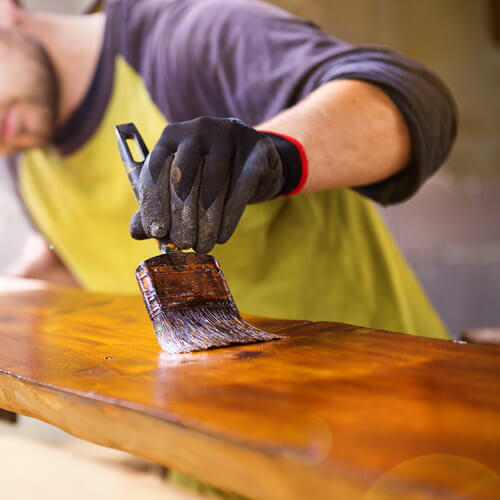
column 327, row 411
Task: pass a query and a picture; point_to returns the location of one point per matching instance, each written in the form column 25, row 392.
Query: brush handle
column 125, row 132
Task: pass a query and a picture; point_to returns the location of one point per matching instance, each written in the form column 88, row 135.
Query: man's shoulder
column 185, row 32
column 147, row 19
column 154, row 7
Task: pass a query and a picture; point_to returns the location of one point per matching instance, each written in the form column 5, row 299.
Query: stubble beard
column 41, row 94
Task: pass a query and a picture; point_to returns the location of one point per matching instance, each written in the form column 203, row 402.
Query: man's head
column 28, row 92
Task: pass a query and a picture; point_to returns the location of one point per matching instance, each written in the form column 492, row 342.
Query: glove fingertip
column 225, row 233
column 157, row 230
column 136, row 228
column 203, row 248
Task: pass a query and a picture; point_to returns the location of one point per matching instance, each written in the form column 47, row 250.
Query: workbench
column 327, row 411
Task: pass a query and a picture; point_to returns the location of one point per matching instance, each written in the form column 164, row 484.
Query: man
column 271, row 123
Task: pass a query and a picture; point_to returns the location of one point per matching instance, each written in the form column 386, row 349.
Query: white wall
column 13, row 225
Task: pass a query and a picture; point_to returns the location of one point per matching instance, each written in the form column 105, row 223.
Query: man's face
column 28, row 93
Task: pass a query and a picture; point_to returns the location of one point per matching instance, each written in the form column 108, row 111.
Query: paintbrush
column 185, row 293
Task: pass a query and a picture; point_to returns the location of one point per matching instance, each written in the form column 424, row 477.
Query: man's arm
column 39, row 262
column 202, row 173
column 251, row 61
column 332, row 114
column 352, row 133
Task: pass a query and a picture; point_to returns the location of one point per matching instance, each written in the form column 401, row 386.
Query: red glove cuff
column 294, row 161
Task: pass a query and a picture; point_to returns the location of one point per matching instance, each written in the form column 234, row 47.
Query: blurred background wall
column 13, row 225
column 450, row 231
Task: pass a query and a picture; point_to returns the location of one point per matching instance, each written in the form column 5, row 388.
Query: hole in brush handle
column 125, row 134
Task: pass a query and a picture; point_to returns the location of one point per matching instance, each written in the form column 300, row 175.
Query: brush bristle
column 202, row 328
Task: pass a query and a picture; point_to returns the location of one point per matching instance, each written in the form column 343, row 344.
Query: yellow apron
column 321, row 256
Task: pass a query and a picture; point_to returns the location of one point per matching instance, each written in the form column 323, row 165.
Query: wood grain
column 328, row 411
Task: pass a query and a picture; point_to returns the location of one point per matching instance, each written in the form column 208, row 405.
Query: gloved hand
column 197, row 180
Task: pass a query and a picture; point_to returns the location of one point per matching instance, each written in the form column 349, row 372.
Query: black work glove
column 197, row 180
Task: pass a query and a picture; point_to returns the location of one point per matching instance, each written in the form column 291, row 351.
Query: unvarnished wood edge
column 223, row 463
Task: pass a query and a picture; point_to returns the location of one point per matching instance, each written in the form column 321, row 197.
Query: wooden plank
column 8, row 416
column 328, row 411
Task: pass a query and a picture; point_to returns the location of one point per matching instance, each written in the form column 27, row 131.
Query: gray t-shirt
column 251, row 60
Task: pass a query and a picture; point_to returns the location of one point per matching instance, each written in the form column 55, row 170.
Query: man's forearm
column 352, row 133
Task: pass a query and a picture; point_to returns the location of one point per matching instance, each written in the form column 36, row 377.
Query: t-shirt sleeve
column 251, row 60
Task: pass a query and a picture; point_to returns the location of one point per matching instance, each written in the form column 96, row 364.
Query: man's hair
column 38, row 60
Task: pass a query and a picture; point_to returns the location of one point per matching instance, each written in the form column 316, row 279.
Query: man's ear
column 10, row 14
